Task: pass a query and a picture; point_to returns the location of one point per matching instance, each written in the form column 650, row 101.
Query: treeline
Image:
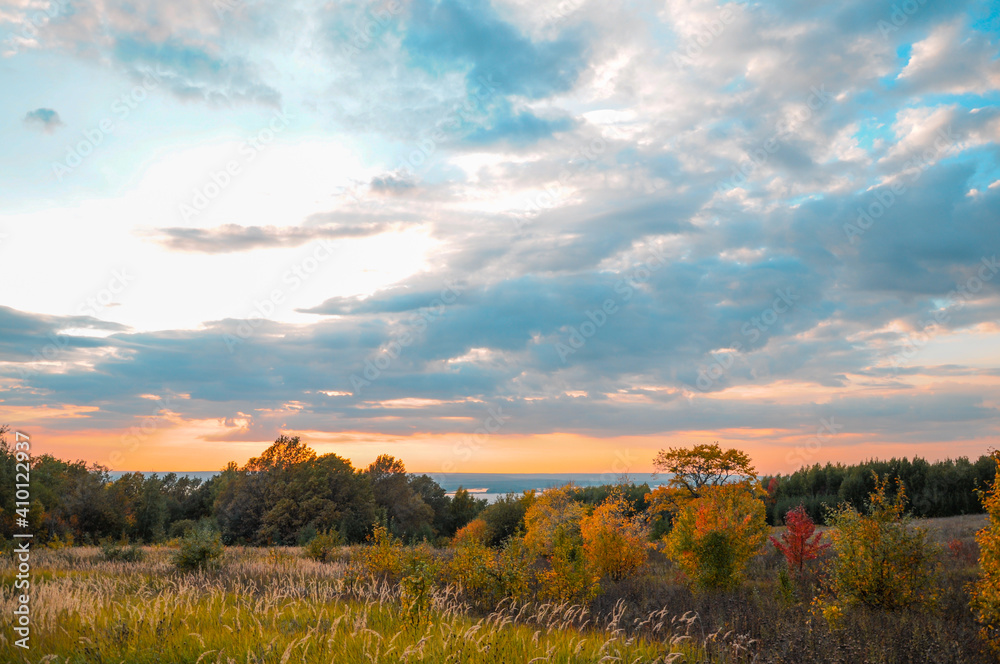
column 944, row 488
column 289, row 494
column 285, row 496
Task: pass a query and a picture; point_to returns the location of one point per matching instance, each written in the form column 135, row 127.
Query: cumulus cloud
column 43, row 119
column 700, row 217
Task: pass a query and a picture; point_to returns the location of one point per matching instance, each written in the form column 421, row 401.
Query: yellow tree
column 986, row 590
column 554, row 515
column 691, row 471
column 615, row 541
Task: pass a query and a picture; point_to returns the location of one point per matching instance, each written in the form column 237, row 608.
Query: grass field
column 274, row 605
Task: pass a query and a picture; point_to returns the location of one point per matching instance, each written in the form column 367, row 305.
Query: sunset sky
column 507, row 236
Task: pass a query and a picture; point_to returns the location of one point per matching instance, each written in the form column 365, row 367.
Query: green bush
column 182, row 528
column 200, row 550
column 121, row 551
column 882, row 561
column 324, row 545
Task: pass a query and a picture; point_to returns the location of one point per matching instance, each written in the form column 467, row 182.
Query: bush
column 800, row 542
column 121, row 551
column 200, row 550
column 882, row 562
column 986, row 589
column 569, row 578
column 474, row 567
column 324, row 545
column 475, row 530
column 553, row 516
column 615, row 542
column 715, row 536
column 382, row 557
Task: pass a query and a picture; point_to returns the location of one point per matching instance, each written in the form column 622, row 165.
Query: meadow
column 274, row 604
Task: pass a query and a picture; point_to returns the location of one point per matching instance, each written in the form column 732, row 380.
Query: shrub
column 800, row 542
column 615, row 542
column 514, row 563
column 475, row 530
column 882, row 562
column 199, row 550
column 121, row 551
column 416, row 590
column 324, row 545
column 986, row 589
column 569, row 578
column 474, row 567
column 553, row 516
column 715, row 536
column 382, row 557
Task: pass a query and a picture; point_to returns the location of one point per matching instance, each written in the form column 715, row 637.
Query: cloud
column 43, row 119
column 233, row 237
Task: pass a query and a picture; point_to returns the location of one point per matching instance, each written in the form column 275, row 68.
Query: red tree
column 800, row 541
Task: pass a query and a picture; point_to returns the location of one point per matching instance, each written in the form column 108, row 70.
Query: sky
column 508, row 236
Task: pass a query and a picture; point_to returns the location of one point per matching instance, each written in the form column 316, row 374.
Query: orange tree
column 882, row 561
column 692, row 471
column 715, row 535
column 986, row 590
column 615, row 540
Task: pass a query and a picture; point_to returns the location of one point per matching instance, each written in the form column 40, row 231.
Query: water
column 489, row 485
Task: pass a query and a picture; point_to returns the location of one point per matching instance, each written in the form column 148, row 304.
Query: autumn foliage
column 986, row 590
column 716, row 535
column 882, row 561
column 800, row 542
column 615, row 541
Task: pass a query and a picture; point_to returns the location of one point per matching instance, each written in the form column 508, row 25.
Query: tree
column 408, row 515
column 882, row 562
column 552, row 516
column 692, row 471
column 504, row 517
column 615, row 540
column 715, row 535
column 800, row 542
column 986, row 590
column 285, row 452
